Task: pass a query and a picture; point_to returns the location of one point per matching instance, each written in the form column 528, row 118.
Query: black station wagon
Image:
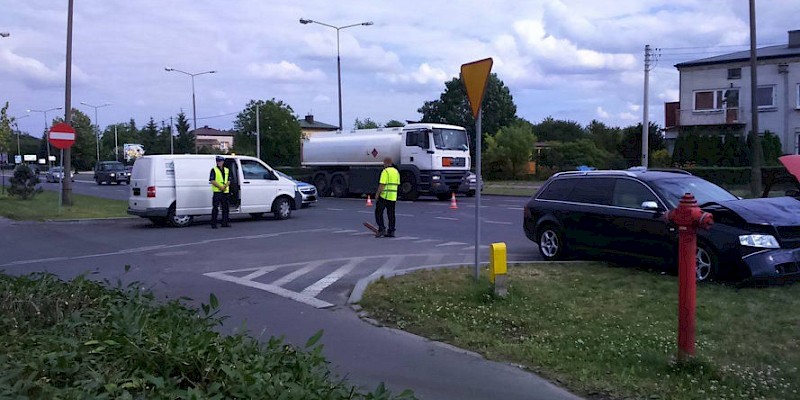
column 623, row 214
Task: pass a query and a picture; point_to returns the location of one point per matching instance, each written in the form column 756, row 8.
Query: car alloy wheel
column 705, row 263
column 551, row 243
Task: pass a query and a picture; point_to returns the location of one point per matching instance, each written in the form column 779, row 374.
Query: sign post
column 475, row 75
column 62, row 136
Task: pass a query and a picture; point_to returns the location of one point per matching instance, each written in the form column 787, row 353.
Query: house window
column 734, row 73
column 714, row 100
column 765, row 96
column 798, row 95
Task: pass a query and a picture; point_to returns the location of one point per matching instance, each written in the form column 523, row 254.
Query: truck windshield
column 450, row 139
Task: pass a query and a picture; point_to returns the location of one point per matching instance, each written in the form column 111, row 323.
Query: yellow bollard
column 498, row 267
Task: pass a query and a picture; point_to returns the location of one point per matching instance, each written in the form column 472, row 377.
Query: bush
column 23, row 183
column 567, row 156
column 81, row 340
column 660, row 159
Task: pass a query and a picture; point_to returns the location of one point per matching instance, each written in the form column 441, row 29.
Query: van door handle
column 246, row 182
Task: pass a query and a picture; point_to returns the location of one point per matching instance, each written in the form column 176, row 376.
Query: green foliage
column 630, row 146
column 394, row 124
column 605, row 137
column 280, row 132
column 149, row 138
column 567, row 156
column 23, row 183
column 185, row 141
column 84, row 151
column 660, row 159
column 452, row 108
column 81, row 340
column 553, row 130
column 771, row 147
column 508, row 152
column 5, row 129
column 365, row 124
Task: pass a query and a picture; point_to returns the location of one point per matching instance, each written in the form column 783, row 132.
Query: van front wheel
column 282, row 208
column 178, row 221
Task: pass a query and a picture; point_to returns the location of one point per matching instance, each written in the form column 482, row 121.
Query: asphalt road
column 291, row 278
column 84, row 184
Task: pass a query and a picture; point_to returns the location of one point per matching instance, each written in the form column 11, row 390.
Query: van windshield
column 450, row 139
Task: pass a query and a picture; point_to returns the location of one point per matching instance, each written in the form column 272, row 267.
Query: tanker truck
column 433, row 159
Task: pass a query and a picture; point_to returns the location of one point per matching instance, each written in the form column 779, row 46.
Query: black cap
column 220, row 158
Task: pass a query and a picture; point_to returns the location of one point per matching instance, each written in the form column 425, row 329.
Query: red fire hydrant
column 688, row 217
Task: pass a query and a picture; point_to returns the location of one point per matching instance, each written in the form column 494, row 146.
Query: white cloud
column 284, row 71
column 601, row 113
column 423, row 75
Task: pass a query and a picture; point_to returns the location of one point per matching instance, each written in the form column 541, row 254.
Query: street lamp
column 338, row 58
column 19, row 153
column 194, row 108
column 45, row 127
column 97, row 123
column 4, row 34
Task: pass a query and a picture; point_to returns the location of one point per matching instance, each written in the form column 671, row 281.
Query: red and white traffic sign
column 62, row 136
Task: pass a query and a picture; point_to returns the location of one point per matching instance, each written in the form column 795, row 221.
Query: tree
column 630, row 146
column 394, row 124
column 185, row 141
column 453, row 108
column 23, row 183
column 149, row 137
column 605, row 137
column 365, row 124
column 511, row 147
column 5, row 130
column 568, row 155
column 280, row 132
column 84, row 151
column 553, row 130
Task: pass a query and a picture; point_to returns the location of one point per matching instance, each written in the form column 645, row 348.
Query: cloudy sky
column 570, row 59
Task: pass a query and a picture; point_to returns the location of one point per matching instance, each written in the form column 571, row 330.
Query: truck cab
column 434, row 159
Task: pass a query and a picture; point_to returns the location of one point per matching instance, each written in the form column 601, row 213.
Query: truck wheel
column 178, row 221
column 322, row 185
column 408, row 187
column 282, row 208
column 339, row 186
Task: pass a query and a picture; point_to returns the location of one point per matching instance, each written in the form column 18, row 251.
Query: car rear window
column 558, row 189
column 593, row 191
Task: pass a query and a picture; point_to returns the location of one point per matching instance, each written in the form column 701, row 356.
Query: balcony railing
column 727, row 116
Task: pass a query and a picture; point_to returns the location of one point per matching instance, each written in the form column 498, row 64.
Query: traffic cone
column 453, row 205
column 369, row 201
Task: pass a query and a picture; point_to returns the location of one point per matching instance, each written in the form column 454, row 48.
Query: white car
column 56, row 174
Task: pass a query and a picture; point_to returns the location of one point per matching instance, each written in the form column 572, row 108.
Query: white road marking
column 404, row 215
column 451, row 244
column 406, row 238
column 425, row 241
column 361, row 234
column 516, row 208
column 300, row 272
column 498, row 222
column 272, row 289
column 389, row 265
column 320, row 285
column 346, row 231
column 261, row 271
column 366, row 212
column 335, row 209
column 447, row 218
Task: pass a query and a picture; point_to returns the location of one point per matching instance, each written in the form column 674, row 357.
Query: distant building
column 214, row 138
column 309, row 126
column 715, row 95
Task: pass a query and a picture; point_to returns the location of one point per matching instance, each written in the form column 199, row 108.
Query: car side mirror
column 650, row 206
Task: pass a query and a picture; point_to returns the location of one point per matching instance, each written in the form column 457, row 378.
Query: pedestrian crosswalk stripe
column 297, row 273
column 328, row 280
column 451, row 244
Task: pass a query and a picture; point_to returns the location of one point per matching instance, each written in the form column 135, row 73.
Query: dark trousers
column 383, row 204
column 220, row 200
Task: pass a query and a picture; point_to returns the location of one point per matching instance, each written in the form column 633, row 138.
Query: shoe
column 389, row 235
column 380, row 234
column 226, row 225
column 213, row 227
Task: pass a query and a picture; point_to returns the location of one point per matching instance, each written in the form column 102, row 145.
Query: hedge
column 726, row 176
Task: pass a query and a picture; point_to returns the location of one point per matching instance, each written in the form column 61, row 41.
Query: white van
column 174, row 188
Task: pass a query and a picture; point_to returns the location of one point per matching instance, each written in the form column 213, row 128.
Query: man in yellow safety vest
column 386, row 198
column 220, row 185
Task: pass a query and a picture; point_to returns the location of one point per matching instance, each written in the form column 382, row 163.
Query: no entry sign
column 62, row 136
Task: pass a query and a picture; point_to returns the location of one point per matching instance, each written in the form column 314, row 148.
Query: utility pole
column 649, row 64
column 66, row 185
column 116, row 146
column 258, row 133
column 171, row 138
column 755, row 141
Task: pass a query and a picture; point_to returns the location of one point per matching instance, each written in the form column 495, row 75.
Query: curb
column 88, row 220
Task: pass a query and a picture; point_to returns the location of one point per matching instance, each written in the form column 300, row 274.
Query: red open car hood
column 792, row 164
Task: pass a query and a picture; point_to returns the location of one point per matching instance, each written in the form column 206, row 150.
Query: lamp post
column 4, row 34
column 45, row 127
column 97, row 123
column 338, row 58
column 19, row 153
column 194, row 108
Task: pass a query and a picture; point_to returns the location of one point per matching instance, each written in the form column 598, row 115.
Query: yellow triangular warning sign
column 475, row 75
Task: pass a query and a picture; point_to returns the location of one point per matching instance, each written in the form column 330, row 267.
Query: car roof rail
column 595, row 172
column 673, row 170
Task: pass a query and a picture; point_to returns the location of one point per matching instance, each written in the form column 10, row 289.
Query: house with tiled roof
column 213, row 138
column 309, row 126
column 715, row 94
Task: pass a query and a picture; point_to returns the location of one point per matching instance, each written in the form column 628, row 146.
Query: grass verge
column 81, row 340
column 606, row 332
column 45, row 206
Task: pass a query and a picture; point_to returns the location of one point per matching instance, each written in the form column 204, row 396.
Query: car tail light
column 151, row 191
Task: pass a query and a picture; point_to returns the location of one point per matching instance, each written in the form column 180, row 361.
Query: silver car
column 308, row 191
column 56, row 174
